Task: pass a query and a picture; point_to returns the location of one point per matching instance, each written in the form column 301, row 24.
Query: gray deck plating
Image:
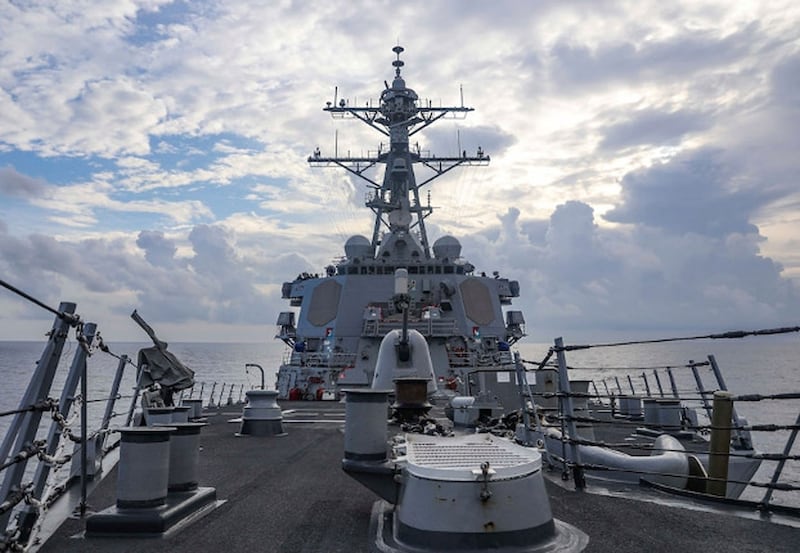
column 289, row 494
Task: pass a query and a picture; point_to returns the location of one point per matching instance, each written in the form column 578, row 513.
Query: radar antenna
column 395, row 201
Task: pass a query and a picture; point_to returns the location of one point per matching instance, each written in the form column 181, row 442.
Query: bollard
column 157, row 485
column 623, row 405
column 651, row 411
column 365, row 425
column 181, row 413
column 143, row 467
column 158, row 415
column 635, row 410
column 262, row 415
column 719, row 448
column 669, row 414
column 197, row 407
column 580, row 404
column 581, row 388
column 184, row 456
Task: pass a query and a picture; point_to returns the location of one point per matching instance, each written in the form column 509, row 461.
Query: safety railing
column 33, row 455
column 330, row 359
column 476, row 359
column 659, row 384
column 427, row 327
column 215, row 394
column 40, row 462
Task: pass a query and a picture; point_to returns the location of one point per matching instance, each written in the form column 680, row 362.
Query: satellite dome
column 357, row 246
column 447, row 247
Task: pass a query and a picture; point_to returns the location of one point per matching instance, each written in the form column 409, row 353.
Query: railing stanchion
column 700, row 387
column 672, row 382
column 25, row 424
column 658, row 383
column 566, row 401
column 646, row 385
column 787, row 449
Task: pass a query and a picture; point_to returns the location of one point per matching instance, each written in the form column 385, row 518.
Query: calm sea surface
column 766, row 365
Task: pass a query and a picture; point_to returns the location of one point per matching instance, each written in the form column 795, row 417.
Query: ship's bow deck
column 289, row 494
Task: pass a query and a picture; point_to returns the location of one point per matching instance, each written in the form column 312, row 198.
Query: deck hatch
column 458, row 458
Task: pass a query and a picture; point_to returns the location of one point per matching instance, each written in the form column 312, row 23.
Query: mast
column 396, row 201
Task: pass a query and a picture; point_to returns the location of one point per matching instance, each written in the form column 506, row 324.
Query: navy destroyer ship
column 548, row 481
column 345, row 313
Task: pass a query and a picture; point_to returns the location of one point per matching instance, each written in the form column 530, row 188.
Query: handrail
column 567, row 416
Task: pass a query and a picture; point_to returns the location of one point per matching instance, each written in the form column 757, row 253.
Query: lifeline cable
column 733, row 334
column 44, row 405
column 72, row 319
column 652, row 447
column 554, row 367
column 592, row 466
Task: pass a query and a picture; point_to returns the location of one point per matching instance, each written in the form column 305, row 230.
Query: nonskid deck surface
column 288, row 494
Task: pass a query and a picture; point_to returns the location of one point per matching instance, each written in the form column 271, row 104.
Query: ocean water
column 763, row 365
column 215, row 365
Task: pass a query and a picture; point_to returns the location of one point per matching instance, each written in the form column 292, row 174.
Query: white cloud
column 212, row 284
column 592, row 279
column 80, row 205
column 633, row 142
column 13, row 183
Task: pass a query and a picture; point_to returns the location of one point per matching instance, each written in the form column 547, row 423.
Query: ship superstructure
column 345, row 312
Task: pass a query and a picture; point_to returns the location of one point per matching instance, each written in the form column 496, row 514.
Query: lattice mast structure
column 396, row 201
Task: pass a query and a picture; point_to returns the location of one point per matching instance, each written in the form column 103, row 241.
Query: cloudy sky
column 643, row 178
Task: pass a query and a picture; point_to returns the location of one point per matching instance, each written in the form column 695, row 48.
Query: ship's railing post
column 135, row 397
column 112, row 400
column 566, row 408
column 524, row 392
column 25, row 424
column 700, row 387
column 525, row 396
column 787, row 450
column 722, row 386
column 720, row 444
column 672, row 382
column 646, row 385
column 84, row 428
column 76, row 374
column 658, row 383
